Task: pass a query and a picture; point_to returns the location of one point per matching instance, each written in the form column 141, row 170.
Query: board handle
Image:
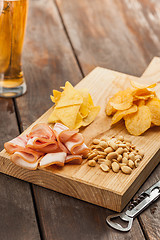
column 152, row 72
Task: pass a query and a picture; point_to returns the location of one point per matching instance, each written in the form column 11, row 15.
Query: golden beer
column 13, row 16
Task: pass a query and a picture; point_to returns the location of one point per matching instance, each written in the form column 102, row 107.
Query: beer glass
column 13, row 14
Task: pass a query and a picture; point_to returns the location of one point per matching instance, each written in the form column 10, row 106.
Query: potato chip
column 143, row 93
column 109, row 109
column 122, row 113
column 137, row 123
column 154, row 107
column 70, row 96
column 90, row 101
column 139, row 85
column 139, row 102
column 94, row 110
column 122, row 100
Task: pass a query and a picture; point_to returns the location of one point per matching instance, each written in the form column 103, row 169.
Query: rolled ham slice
column 63, row 132
column 45, row 146
column 17, row 159
column 53, row 158
column 27, row 155
column 74, row 159
column 41, row 130
column 15, row 144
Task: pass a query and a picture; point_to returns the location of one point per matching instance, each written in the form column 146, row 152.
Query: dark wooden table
column 65, row 40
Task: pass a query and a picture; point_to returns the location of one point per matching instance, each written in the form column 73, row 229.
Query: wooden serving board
column 109, row 190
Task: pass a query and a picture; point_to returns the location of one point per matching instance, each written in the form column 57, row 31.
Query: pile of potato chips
column 138, row 106
column 73, row 107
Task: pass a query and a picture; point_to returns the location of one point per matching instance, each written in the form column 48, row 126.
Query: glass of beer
column 13, row 14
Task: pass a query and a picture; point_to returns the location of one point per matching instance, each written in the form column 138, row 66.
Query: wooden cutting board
column 109, row 190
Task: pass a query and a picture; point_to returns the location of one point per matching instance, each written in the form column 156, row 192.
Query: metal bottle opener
column 135, row 208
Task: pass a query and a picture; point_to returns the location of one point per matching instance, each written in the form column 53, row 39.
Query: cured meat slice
column 17, row 159
column 81, row 149
column 53, row 158
column 27, row 155
column 75, row 159
column 43, row 145
column 74, row 141
column 64, row 133
column 59, row 127
column 15, row 144
column 41, row 130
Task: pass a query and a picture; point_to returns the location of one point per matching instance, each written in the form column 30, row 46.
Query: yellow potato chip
column 154, row 107
column 70, row 96
column 140, row 102
column 109, row 109
column 94, row 110
column 143, row 93
column 122, row 113
column 122, row 100
column 67, row 115
column 139, row 85
column 137, row 123
column 90, row 101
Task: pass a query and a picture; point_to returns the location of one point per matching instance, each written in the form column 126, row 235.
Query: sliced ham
column 16, row 143
column 81, row 149
column 53, row 158
column 43, row 145
column 17, row 159
column 28, row 155
column 63, row 132
column 41, row 130
column 76, row 159
column 46, row 146
column 59, row 127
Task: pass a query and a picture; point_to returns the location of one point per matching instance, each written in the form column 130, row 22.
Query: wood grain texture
column 68, row 218
column 120, row 35
column 150, row 218
column 48, row 60
column 17, row 211
column 86, row 182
